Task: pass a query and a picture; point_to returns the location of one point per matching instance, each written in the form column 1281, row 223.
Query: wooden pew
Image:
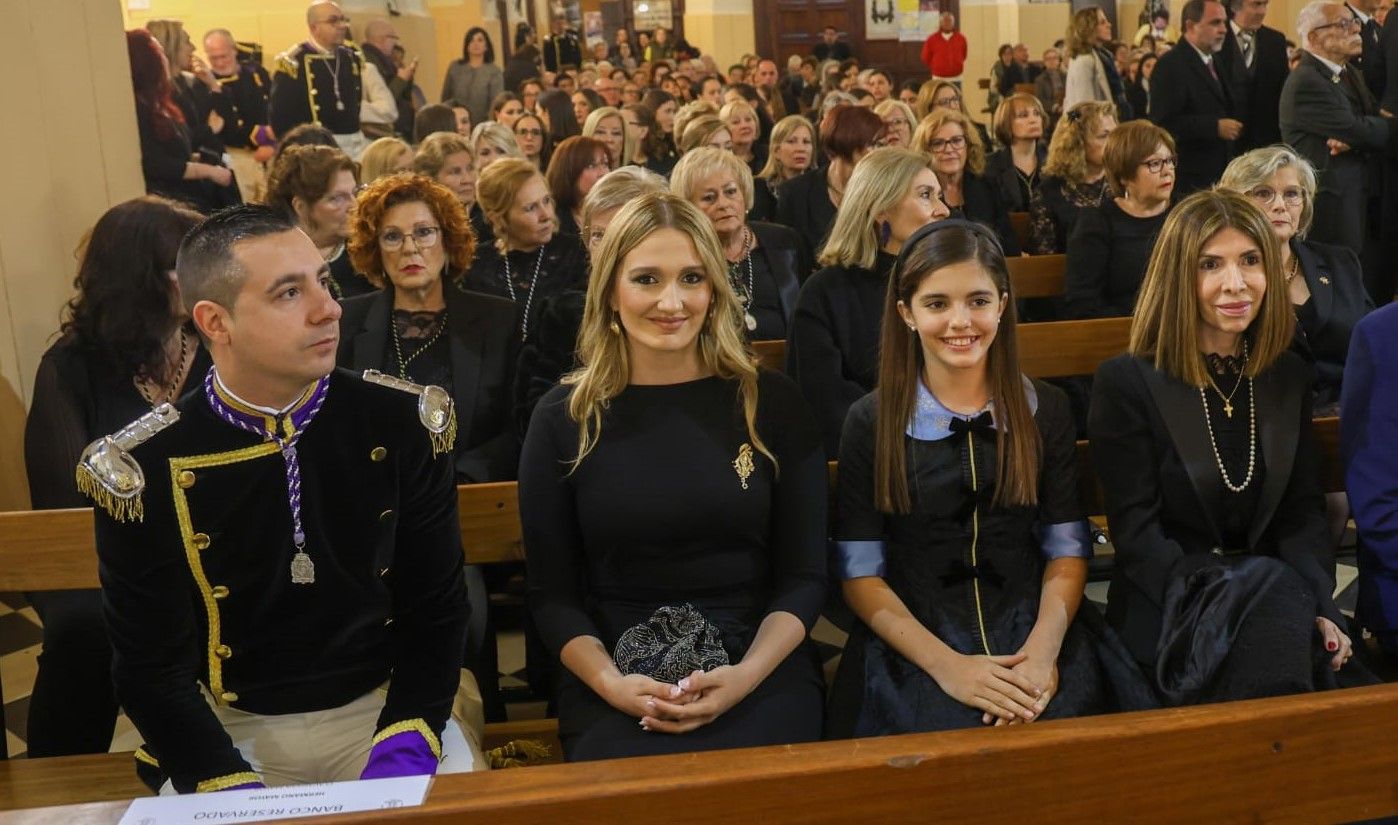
column 1321, row 757
column 1037, row 276
column 1019, row 222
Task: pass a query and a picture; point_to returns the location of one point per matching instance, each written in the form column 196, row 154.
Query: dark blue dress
column 970, row 572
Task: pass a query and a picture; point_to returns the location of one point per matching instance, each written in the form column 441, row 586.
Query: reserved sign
column 267, row 804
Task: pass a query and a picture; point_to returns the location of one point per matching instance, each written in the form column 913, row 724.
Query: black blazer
column 1001, row 172
column 1187, row 102
column 1256, row 90
column 786, row 260
column 1338, row 301
column 484, row 344
column 803, row 204
column 1371, row 60
column 1153, row 457
column 983, row 204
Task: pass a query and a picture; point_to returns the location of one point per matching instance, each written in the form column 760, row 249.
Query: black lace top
column 421, row 349
column 1231, row 437
column 1054, row 212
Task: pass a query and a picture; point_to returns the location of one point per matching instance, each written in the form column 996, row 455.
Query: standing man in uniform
column 321, row 81
column 279, row 551
column 248, row 135
column 561, row 48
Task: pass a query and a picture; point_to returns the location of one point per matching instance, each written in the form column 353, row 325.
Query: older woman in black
column 833, row 349
column 1201, row 435
column 1074, row 176
column 531, row 261
column 315, row 186
column 808, row 202
column 958, row 158
column 1020, row 121
column 1111, row 245
column 766, row 261
column 1324, row 283
column 125, row 347
column 673, row 502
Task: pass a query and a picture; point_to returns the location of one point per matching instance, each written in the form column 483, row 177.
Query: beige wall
column 76, row 155
column 723, row 27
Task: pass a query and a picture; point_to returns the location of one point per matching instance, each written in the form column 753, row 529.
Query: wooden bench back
column 1037, row 276
column 1019, row 222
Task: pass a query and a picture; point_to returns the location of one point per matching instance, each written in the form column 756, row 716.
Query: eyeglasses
column 600, row 164
column 1154, row 165
column 336, row 20
column 955, row 143
column 530, row 132
column 1291, row 196
column 947, row 102
column 1343, row 23
column 423, row 237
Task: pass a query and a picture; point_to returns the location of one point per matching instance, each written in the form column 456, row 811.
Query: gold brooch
column 1325, row 280
column 743, row 464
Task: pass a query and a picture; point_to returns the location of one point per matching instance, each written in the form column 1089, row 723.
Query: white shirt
column 1335, row 68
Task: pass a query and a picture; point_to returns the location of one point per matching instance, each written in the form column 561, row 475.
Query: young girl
column 961, row 543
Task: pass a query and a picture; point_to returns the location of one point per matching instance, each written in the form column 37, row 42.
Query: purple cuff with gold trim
column 403, row 749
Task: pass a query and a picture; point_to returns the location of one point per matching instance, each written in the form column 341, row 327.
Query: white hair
column 1312, row 17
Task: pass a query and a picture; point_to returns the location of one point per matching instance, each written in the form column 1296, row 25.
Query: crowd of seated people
column 582, row 263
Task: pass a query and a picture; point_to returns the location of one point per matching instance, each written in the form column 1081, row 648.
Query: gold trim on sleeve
column 143, row 755
column 406, row 725
column 223, row 783
column 192, row 552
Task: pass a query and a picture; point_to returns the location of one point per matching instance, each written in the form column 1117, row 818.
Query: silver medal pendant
column 303, row 570
column 750, row 321
column 339, row 106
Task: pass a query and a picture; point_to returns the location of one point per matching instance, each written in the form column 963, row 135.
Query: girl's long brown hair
column 1017, row 442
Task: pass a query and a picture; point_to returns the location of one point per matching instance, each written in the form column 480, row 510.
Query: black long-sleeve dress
column 557, row 266
column 1055, row 213
column 969, row 571
column 833, row 349
column 77, row 398
column 675, row 506
column 1251, row 569
column 1107, row 257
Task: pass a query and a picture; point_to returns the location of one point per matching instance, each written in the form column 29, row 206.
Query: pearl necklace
column 529, row 299
column 1252, row 438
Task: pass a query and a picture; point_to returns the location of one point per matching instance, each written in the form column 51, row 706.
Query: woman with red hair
column 168, row 163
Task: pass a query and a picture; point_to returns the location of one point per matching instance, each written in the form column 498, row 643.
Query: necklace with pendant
column 735, row 269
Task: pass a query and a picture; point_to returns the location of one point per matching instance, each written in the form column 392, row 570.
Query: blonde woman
column 609, row 126
column 385, row 156
column 791, row 152
column 1074, row 176
column 744, row 127
column 448, row 158
column 900, row 120
column 1020, row 122
column 722, row 540
column 958, row 157
column 706, row 130
column 833, row 349
column 943, row 94
column 1090, row 66
column 690, row 112
column 493, row 141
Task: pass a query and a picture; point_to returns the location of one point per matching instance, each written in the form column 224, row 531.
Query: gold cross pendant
column 1228, row 408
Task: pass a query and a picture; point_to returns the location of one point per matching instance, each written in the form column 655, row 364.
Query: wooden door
column 787, row 27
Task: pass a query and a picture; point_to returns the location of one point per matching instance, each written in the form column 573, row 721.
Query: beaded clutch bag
column 673, row 643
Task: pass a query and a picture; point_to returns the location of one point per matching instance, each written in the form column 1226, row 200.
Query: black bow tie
column 984, row 422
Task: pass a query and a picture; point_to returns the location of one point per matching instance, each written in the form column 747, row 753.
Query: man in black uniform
column 561, row 49
column 280, row 544
column 320, row 81
column 246, row 86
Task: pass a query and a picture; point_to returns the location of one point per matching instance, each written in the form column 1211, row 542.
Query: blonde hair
column 933, row 123
column 698, row 131
column 1003, row 122
column 1067, row 153
column 927, row 97
column 729, row 110
column 604, row 356
column 785, row 128
column 594, row 122
column 854, row 237
column 891, row 105
column 1249, row 171
column 497, row 188
column 1165, row 325
column 499, row 136
column 704, row 162
column 689, row 112
column 378, row 159
column 1082, row 31
column 616, row 189
column 434, row 150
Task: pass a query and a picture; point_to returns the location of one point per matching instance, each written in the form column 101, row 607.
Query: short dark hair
column 1193, row 11
column 434, row 117
column 206, row 265
column 848, row 130
column 466, row 41
column 1161, row 14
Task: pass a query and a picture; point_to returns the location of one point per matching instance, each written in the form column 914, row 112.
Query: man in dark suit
column 1191, row 101
column 1371, row 61
column 1322, row 102
column 1253, row 63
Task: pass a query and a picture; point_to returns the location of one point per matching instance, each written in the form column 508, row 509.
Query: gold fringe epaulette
column 518, row 753
column 289, row 62
column 434, row 408
column 107, row 473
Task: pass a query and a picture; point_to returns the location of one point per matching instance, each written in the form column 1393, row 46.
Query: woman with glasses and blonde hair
column 1111, row 245
column 943, row 94
column 766, row 261
column 899, row 119
column 1201, row 436
column 1020, row 121
column 676, row 594
column 315, row 186
column 1324, row 283
column 1074, row 176
column 942, row 643
column 790, row 153
column 958, row 158
column 833, row 349
column 530, row 260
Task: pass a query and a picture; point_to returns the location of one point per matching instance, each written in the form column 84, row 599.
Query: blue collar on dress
column 931, row 420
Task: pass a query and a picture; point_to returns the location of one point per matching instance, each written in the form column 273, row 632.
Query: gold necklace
column 1228, row 399
column 1295, row 267
column 181, row 366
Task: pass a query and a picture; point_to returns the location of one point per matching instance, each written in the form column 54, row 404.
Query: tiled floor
column 20, row 637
